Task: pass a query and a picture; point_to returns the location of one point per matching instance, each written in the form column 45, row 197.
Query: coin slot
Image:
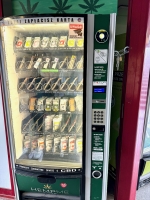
column 96, row 174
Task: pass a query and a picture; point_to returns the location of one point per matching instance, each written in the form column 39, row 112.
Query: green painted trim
column 101, row 22
column 24, row 7
column 31, row 184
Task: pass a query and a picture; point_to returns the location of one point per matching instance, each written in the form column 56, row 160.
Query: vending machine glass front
column 43, row 60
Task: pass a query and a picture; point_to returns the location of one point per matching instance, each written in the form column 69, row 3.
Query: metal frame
column 8, row 123
column 108, row 102
column 8, row 193
column 90, row 47
column 136, row 77
column 8, row 113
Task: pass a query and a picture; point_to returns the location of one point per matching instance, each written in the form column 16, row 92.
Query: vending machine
column 57, row 81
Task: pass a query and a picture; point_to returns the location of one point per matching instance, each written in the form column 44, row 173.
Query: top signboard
column 24, row 7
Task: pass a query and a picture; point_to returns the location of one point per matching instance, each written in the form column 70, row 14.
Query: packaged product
column 44, row 42
column 72, row 144
column 57, row 122
column 62, row 41
column 54, row 42
column 57, row 144
column 64, row 144
column 80, row 42
column 36, row 42
column 28, row 42
column 79, row 145
column 48, row 122
column 55, row 106
column 71, row 42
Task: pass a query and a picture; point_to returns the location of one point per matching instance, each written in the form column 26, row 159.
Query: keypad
column 98, row 117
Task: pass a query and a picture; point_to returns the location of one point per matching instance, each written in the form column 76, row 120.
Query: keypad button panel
column 98, row 117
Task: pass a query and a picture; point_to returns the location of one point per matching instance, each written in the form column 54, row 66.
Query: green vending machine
column 57, row 72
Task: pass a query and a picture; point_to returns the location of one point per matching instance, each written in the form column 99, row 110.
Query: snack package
column 32, row 103
column 63, row 104
column 72, row 145
column 19, row 43
column 57, row 122
column 72, row 107
column 48, row 104
column 71, row 62
column 79, row 102
column 55, row 106
column 54, row 42
column 64, row 144
column 23, row 105
column 28, row 42
column 49, row 143
column 40, row 104
column 48, row 122
column 44, row 42
column 79, row 145
column 80, row 42
column 62, row 41
column 57, row 144
column 37, row 63
column 71, row 42
column 46, row 63
column 36, row 42
column 55, row 62
column 41, row 142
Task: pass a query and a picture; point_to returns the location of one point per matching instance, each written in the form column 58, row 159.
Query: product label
column 76, row 30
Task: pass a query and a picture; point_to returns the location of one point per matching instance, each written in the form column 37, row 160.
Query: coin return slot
column 96, row 174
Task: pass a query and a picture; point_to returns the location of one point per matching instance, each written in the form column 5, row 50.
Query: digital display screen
column 99, row 89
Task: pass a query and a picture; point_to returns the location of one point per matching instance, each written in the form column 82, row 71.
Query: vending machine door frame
column 135, row 87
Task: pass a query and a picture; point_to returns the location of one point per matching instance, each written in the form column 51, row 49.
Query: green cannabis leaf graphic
column 30, row 9
column 60, row 6
column 91, row 5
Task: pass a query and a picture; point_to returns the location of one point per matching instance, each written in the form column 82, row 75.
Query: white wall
column 4, row 166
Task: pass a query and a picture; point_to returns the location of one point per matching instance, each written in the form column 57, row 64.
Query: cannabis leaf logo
column 60, row 6
column 47, row 186
column 30, row 9
column 91, row 5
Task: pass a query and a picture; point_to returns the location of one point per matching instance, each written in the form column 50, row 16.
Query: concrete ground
column 143, row 193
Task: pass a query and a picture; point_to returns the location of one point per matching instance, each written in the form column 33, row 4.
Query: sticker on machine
column 97, row 156
column 99, row 83
column 100, row 56
column 76, row 30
